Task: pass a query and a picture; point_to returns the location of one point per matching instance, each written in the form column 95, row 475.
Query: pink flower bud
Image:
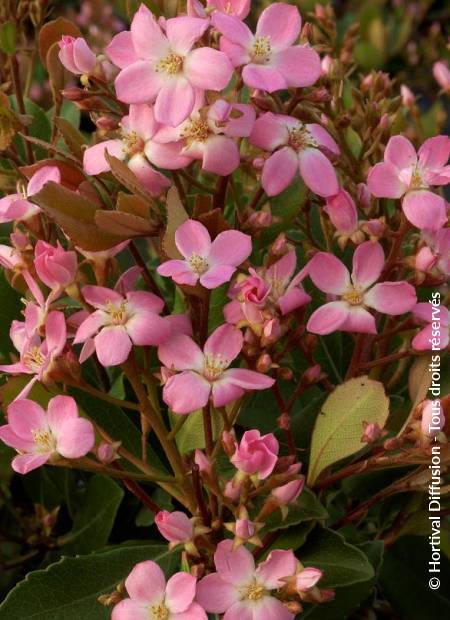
column 107, row 452
column 279, row 246
column 232, row 490
column 263, row 363
column 244, row 529
column 54, row 266
column 433, row 419
column 307, row 579
column 258, row 163
column 342, row 212
column 408, row 98
column 441, row 74
column 327, row 64
column 374, row 228
column 254, row 289
column 363, row 196
column 371, row 432
column 76, row 56
column 272, row 330
column 256, row 454
column 425, row 259
column 202, row 461
column 174, row 526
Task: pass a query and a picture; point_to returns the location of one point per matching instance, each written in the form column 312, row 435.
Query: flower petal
column 281, row 23
column 235, row 566
column 60, row 409
column 146, row 583
column 291, row 300
column 24, row 463
column 233, row 29
column 100, row 296
column 434, row 152
column 225, row 343
column 179, row 271
column 221, row 155
column 328, row 273
column 186, row 392
column 175, row 101
column 328, row 318
column 384, row 182
column 216, row 595
column 193, row 238
column 216, row 276
column 248, row 379
column 129, row 610
column 279, row 171
column 391, row 297
column 147, row 328
column 359, row 320
column 148, row 38
column 269, row 132
column 224, row 392
column 299, row 65
column 75, row 438
column 90, row 326
column 180, row 592
column 153, row 181
column 208, row 69
column 230, row 247
column 41, row 177
column 121, row 50
column 400, row 153
column 264, row 77
column 183, row 32
column 425, row 210
column 112, row 345
column 24, row 416
column 181, row 353
column 317, row 172
column 368, row 262
column 279, row 564
column 138, row 83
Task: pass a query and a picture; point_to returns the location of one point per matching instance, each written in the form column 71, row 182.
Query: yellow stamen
column 171, row 64
column 353, row 296
column 253, row 592
column 196, row 130
column 260, row 53
column 159, row 612
column 33, row 359
column 45, row 440
column 198, row 264
column 214, row 367
column 300, row 138
column 118, row 314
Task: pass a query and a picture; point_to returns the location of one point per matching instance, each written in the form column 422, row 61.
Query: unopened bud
column 263, row 363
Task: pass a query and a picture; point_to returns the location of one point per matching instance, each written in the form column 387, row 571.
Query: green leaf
column 191, row 435
column 340, row 425
column 176, row 215
column 306, row 508
column 95, row 519
column 8, row 37
column 69, row 589
column 342, row 563
column 217, row 301
column 405, row 578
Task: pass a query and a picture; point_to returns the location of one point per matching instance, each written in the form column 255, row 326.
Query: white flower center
column 354, row 296
column 198, row 264
column 118, row 315
column 253, row 592
column 417, row 179
column 196, row 130
column 261, row 50
column 300, row 138
column 33, row 359
column 171, row 64
column 131, row 143
column 214, row 366
column 45, row 440
column 159, row 612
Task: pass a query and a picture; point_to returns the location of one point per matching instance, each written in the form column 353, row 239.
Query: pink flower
column 242, row 591
column 438, row 243
column 17, row 206
column 41, row 436
column 256, row 454
column 209, row 135
column 404, row 174
column 433, row 418
column 342, row 212
column 76, row 55
column 202, row 373
column 296, row 148
column 54, row 266
column 266, row 289
column 271, row 60
column 211, row 263
column 354, row 294
column 151, row 598
column 174, row 526
column 441, row 74
column 164, row 67
column 37, row 355
column 437, row 320
column 119, row 322
column 138, row 149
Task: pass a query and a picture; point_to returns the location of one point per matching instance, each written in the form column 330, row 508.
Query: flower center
column 253, row 592
column 354, row 296
column 417, row 180
column 213, row 367
column 198, row 264
column 33, row 359
column 300, row 138
column 132, row 143
column 159, row 612
column 44, row 440
column 171, row 64
column 196, row 130
column 260, row 53
column 118, row 314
